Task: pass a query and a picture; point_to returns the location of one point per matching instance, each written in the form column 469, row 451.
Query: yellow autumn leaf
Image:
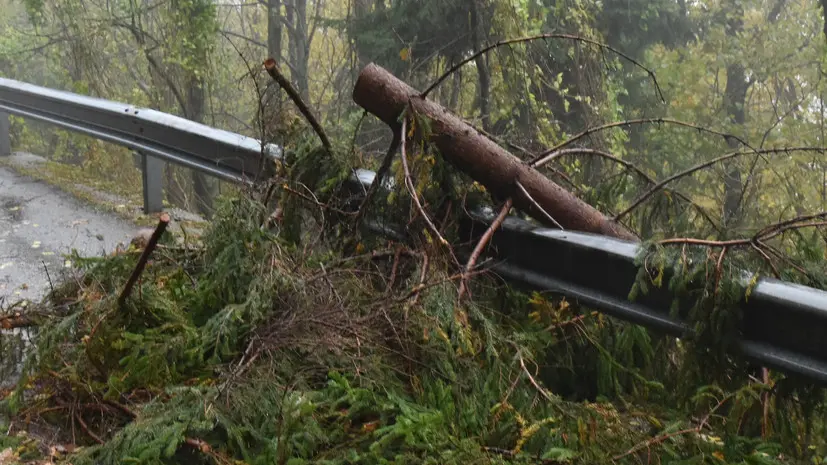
column 718, row 455
column 405, row 54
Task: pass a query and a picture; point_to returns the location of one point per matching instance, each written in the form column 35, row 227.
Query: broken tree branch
column 273, row 71
column 386, row 96
column 163, row 221
column 484, row 240
column 534, row 202
column 16, row 321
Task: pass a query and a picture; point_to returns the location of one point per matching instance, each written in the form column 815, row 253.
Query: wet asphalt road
column 38, row 225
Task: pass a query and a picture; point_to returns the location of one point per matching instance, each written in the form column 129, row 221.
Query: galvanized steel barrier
column 155, row 135
column 784, row 325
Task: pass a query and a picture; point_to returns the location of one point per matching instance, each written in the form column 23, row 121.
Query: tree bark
column 385, row 96
column 299, row 45
column 824, row 13
column 274, row 29
column 735, row 96
column 205, row 187
column 478, row 33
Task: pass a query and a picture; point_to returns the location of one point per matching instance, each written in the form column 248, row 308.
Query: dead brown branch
column 531, row 379
column 528, row 197
column 16, row 321
column 273, row 70
column 546, row 36
column 86, row 429
column 142, row 260
column 484, row 240
column 423, row 274
column 758, row 239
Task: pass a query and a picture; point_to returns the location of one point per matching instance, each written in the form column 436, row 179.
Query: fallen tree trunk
column 385, row 96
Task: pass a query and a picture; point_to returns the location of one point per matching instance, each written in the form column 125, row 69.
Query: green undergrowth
column 292, row 339
column 255, row 349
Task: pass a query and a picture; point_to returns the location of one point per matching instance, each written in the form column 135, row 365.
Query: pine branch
column 412, row 189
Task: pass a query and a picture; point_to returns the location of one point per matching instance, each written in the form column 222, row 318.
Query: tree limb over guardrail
column 784, row 325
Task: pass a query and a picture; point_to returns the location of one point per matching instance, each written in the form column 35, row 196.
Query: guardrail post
column 5, row 135
column 152, row 172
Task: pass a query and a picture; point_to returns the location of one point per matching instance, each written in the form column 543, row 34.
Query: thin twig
column 87, row 430
column 796, row 220
column 412, row 189
column 139, row 268
column 664, row 437
column 518, row 40
column 414, row 292
column 484, row 240
column 394, row 268
column 707, row 164
column 767, row 259
column 756, row 239
column 48, row 276
column 312, row 200
column 719, row 270
column 632, row 122
column 273, row 71
column 423, row 274
column 532, row 380
column 628, row 165
column 536, row 205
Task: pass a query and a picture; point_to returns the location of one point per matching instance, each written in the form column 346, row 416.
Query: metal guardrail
column 155, row 135
column 784, row 325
